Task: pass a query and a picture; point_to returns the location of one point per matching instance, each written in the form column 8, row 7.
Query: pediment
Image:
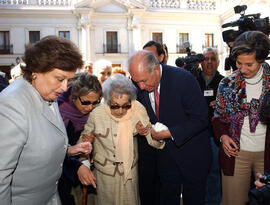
column 110, row 6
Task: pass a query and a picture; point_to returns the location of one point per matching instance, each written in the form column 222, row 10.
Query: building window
column 183, row 37
column 64, row 34
column 5, row 47
column 157, row 37
column 112, row 43
column 209, row 40
column 34, row 36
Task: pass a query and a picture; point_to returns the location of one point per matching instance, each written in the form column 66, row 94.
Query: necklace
column 255, row 82
column 50, row 102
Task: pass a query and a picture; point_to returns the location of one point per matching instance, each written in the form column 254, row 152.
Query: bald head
column 143, row 59
column 144, row 70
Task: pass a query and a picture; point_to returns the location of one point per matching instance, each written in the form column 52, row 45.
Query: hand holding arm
column 81, row 148
column 86, row 177
column 141, row 129
column 88, row 138
column 229, row 146
column 165, row 134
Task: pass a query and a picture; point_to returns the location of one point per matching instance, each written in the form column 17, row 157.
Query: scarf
column 232, row 106
column 124, row 140
column 69, row 112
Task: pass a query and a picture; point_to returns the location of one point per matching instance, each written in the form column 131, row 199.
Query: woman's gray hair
column 100, row 65
column 118, row 84
column 84, row 83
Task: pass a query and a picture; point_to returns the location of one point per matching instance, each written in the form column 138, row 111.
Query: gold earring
column 34, row 76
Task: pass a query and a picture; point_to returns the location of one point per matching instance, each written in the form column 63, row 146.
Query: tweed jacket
column 33, row 146
column 105, row 131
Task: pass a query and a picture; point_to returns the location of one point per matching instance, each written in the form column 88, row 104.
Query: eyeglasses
column 89, row 102
column 125, row 107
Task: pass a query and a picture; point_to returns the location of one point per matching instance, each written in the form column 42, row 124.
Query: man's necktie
column 156, row 94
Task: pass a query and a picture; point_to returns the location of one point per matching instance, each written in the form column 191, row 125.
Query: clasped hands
column 81, row 148
column 161, row 135
column 229, row 146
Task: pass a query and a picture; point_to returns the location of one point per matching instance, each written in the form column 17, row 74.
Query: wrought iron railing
column 6, row 49
column 111, row 49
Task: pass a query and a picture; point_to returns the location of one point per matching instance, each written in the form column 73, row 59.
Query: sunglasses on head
column 89, row 102
column 125, row 107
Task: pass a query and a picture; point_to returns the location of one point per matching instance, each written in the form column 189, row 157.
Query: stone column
column 136, row 33
column 85, row 45
column 130, row 36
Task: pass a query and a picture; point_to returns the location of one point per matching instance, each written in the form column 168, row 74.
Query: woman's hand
column 212, row 104
column 88, row 138
column 143, row 130
column 86, row 177
column 229, row 146
column 81, row 148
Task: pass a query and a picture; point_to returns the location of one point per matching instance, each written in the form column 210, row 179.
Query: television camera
column 261, row 195
column 191, row 61
column 251, row 22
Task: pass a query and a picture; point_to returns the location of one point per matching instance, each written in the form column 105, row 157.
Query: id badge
column 208, row 93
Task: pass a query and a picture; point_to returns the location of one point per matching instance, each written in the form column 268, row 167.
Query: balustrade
column 37, row 2
column 190, row 4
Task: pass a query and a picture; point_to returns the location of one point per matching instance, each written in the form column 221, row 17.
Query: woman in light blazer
column 33, row 136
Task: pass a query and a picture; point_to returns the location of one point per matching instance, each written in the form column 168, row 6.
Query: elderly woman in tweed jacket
column 114, row 125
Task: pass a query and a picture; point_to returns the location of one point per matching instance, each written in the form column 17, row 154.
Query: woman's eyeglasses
column 125, row 107
column 89, row 102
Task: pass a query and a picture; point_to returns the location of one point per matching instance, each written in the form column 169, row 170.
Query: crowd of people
column 149, row 134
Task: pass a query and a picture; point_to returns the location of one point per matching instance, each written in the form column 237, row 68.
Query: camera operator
column 251, row 22
column 209, row 79
column 191, row 61
column 237, row 124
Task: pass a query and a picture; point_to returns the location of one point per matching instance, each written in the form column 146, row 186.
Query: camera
column 265, row 179
column 191, row 61
column 251, row 22
column 261, row 195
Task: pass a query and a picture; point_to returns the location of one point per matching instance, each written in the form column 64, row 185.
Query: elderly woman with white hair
column 102, row 69
column 114, row 125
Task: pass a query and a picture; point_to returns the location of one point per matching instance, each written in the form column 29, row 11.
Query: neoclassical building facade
column 114, row 29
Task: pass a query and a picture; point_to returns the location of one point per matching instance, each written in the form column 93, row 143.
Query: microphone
column 232, row 24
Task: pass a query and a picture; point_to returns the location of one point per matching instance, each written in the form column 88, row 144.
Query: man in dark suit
column 185, row 158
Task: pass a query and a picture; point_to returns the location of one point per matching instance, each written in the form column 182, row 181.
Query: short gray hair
column 101, row 65
column 118, row 84
column 211, row 49
column 147, row 58
column 84, row 83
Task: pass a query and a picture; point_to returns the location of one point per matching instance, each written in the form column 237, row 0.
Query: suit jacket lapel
column 149, row 107
column 162, row 90
column 56, row 120
column 53, row 118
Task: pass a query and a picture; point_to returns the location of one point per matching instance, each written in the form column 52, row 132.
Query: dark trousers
column 64, row 189
column 188, row 174
column 213, row 187
column 148, row 175
column 171, row 182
